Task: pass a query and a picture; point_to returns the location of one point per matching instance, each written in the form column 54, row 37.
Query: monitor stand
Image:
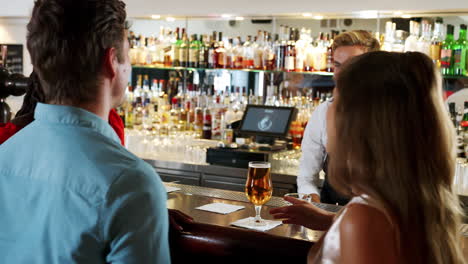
column 265, row 140
column 267, row 143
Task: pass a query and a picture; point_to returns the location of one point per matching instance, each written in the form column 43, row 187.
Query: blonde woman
column 392, row 150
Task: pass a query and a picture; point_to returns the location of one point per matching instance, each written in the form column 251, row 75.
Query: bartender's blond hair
column 360, row 38
column 393, row 140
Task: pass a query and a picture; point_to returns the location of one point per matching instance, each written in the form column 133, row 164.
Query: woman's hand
column 303, row 213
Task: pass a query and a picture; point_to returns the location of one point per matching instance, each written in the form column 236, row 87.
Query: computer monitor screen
column 267, row 120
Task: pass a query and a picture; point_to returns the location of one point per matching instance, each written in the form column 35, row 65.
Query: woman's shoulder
column 367, row 232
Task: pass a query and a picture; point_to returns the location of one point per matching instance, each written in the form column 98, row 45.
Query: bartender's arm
column 313, row 153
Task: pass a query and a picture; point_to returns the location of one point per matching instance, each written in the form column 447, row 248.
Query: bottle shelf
column 220, row 69
column 455, row 76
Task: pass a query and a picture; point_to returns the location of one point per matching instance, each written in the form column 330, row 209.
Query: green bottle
column 459, row 53
column 446, row 54
column 194, row 51
column 176, row 49
column 184, row 50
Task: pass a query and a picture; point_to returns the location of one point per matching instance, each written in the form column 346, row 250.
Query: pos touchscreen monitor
column 267, row 121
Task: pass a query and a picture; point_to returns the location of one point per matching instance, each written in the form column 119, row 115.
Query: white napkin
column 171, row 189
column 249, row 223
column 220, row 208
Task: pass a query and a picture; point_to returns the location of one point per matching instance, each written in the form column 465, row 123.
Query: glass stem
column 258, row 209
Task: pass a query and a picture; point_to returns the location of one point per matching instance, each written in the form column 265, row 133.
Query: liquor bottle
column 301, row 45
column 167, row 48
column 203, row 54
column 279, row 52
column 424, row 43
column 238, row 54
column 190, row 115
column 198, row 120
column 248, row 55
column 320, row 54
column 464, row 121
column 257, row 47
column 138, row 114
column 174, row 115
column 206, row 134
column 399, row 43
column 176, row 49
column 212, row 55
column 309, row 53
column 184, row 50
column 268, row 61
column 290, row 55
column 446, row 54
column 230, row 56
column 128, row 107
column 390, row 28
column 194, row 52
column 183, row 116
column 146, row 93
column 462, row 134
column 141, row 51
column 133, row 48
column 453, row 114
column 459, row 53
column 436, row 42
column 221, row 53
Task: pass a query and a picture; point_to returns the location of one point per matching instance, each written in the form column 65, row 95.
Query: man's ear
column 110, row 63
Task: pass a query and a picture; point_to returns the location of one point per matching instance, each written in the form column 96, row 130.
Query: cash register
column 268, row 125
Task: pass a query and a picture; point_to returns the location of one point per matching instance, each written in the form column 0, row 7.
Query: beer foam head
column 259, row 165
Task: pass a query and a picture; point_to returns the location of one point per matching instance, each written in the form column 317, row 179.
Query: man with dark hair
column 69, row 192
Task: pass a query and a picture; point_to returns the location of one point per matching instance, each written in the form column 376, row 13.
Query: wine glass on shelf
column 258, row 187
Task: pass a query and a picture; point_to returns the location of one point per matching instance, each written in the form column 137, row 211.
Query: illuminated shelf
column 455, row 77
column 218, row 69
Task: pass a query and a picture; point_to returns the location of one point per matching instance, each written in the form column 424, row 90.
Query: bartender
column 314, row 154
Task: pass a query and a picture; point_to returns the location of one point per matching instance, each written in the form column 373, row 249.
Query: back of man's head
column 68, row 39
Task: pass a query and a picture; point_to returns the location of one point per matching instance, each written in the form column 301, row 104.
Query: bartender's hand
column 177, row 219
column 303, row 213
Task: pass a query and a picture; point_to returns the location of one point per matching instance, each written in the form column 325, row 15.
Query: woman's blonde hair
column 395, row 142
column 356, row 38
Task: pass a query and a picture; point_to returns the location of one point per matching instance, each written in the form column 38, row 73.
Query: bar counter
column 219, row 177
column 214, row 239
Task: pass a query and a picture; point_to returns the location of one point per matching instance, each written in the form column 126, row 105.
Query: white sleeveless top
column 330, row 252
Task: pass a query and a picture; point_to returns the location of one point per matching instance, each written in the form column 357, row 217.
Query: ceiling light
column 318, row 17
column 398, row 13
column 155, row 16
column 307, row 15
column 406, row 16
column 368, row 14
column 170, row 19
column 239, row 18
column 226, row 16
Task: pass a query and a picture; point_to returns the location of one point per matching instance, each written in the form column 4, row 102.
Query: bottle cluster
column 433, row 39
column 206, row 112
column 289, row 50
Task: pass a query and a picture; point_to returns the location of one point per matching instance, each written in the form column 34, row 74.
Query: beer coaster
column 171, row 189
column 220, row 208
column 250, row 223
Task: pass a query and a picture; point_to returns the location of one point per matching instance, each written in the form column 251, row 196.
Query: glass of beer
column 259, row 187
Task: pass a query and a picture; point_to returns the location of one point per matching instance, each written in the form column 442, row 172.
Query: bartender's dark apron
column 328, row 194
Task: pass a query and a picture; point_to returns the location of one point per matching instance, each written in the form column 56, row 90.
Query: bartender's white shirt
column 313, row 150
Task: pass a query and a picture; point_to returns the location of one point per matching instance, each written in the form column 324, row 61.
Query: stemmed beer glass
column 259, row 187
